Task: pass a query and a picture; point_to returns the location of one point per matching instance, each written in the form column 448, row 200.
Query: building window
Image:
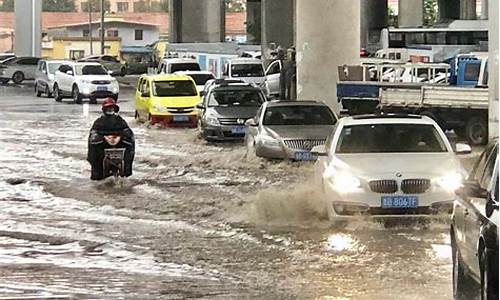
column 86, row 33
column 138, row 34
column 122, row 6
column 112, row 33
column 76, row 54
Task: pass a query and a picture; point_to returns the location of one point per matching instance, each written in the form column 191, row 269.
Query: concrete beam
column 468, row 10
column 194, row 21
column 411, row 13
column 374, row 15
column 28, row 28
column 448, row 10
column 484, row 9
column 493, row 68
column 327, row 38
column 278, row 24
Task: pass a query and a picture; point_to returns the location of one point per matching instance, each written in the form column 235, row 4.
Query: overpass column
column 193, row 21
column 327, row 37
column 373, row 18
column 484, row 9
column 411, row 13
column 254, row 21
column 448, row 10
column 468, row 10
column 278, row 24
column 493, row 68
column 28, row 28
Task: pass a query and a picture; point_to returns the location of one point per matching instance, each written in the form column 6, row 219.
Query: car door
column 40, row 75
column 273, row 78
column 141, row 106
column 475, row 208
column 31, row 65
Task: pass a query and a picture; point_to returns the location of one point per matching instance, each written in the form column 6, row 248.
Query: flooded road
column 196, row 221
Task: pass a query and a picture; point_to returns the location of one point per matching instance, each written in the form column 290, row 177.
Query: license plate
column 102, row 88
column 181, row 118
column 399, row 202
column 304, row 156
column 239, row 130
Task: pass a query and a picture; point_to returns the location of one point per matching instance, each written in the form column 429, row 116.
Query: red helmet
column 110, row 102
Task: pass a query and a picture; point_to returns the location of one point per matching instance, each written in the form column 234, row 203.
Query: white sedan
column 388, row 166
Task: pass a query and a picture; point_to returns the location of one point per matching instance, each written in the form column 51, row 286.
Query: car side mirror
column 319, row 150
column 200, row 106
column 251, row 123
column 146, row 94
column 202, row 93
column 461, row 149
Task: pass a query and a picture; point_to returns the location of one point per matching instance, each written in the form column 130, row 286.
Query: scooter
column 110, row 154
column 113, row 163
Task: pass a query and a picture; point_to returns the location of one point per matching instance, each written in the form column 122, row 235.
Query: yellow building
column 78, row 47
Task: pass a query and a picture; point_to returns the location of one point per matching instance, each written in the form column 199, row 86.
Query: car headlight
column 212, row 120
column 450, row 182
column 160, row 108
column 86, row 81
column 270, row 142
column 345, row 182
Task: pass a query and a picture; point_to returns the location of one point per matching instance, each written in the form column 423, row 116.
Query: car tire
column 461, row 281
column 123, row 72
column 489, row 280
column 476, row 131
column 37, row 91
column 47, row 92
column 18, row 77
column 75, row 93
column 57, row 93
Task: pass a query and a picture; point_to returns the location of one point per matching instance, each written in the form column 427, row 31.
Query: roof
column 193, row 72
column 387, row 119
column 136, row 49
column 82, row 39
column 161, row 77
column 236, row 86
column 245, row 60
column 276, row 103
column 106, row 21
column 56, row 61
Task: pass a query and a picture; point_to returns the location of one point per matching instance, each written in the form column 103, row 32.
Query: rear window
column 201, row 79
column 174, row 88
column 247, row 70
column 298, row 115
column 184, row 67
column 90, row 70
column 236, row 98
column 390, row 138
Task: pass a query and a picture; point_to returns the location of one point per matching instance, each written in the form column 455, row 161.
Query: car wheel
column 123, row 72
column 461, row 282
column 37, row 91
column 477, row 131
column 47, row 92
column 18, row 77
column 489, row 280
column 77, row 97
column 57, row 93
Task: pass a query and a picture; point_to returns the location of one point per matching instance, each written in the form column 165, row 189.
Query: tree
column 7, row 5
column 151, row 6
column 392, row 17
column 96, row 6
column 430, row 12
column 58, row 5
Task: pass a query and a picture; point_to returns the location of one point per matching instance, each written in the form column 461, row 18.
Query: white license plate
column 181, row 118
column 399, row 202
column 102, row 88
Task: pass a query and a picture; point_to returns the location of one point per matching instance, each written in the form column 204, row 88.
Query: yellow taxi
column 167, row 99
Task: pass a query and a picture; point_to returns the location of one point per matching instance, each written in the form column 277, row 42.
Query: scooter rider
column 110, row 123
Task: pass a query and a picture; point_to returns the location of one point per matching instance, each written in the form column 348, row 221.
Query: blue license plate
column 239, row 130
column 399, row 202
column 102, row 88
column 304, row 156
column 181, row 118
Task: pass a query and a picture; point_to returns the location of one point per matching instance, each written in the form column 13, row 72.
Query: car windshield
column 201, row 79
column 390, row 138
column 184, row 67
column 299, row 115
column 247, row 70
column 236, row 98
column 53, row 67
column 174, row 88
column 90, row 70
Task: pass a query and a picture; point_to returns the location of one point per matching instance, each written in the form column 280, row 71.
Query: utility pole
column 102, row 27
column 90, row 27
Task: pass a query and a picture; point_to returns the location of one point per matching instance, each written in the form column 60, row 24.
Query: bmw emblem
column 399, row 175
column 240, row 121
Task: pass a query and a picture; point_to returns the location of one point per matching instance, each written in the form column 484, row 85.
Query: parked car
column 109, row 62
column 214, row 82
column 388, row 166
column 272, row 83
column 18, row 69
column 172, row 65
column 474, row 230
column 167, row 99
column 84, row 80
column 226, row 108
column 289, row 129
column 249, row 70
column 45, row 76
column 199, row 77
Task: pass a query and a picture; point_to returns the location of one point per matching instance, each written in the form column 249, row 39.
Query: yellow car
column 167, row 99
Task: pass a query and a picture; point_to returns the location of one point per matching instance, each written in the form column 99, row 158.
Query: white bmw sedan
column 388, row 166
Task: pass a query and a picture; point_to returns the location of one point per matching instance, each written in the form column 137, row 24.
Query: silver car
column 18, row 69
column 109, row 62
column 45, row 75
column 289, row 129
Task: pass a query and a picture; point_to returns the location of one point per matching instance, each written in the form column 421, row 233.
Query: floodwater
column 196, row 221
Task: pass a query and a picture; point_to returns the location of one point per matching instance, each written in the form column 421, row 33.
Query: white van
column 249, row 70
column 172, row 65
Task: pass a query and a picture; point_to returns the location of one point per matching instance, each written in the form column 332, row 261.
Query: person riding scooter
column 110, row 126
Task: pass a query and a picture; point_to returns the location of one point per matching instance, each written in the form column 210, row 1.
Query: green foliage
column 7, row 5
column 58, row 5
column 151, row 6
column 234, row 6
column 392, row 17
column 430, row 12
column 96, row 5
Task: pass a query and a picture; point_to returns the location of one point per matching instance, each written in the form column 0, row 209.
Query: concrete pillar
column 468, row 10
column 194, row 21
column 278, row 24
column 254, row 22
column 493, row 68
column 484, row 9
column 28, row 28
column 373, row 18
column 327, row 37
column 411, row 13
column 448, row 10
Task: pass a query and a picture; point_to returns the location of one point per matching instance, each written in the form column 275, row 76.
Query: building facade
column 119, row 6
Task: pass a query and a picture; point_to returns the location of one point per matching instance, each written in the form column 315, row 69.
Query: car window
column 139, row 85
column 201, row 79
column 174, row 88
column 90, row 70
column 390, row 138
column 488, row 171
column 184, row 67
column 479, row 167
column 247, row 70
column 298, row 115
column 236, row 98
column 274, row 68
